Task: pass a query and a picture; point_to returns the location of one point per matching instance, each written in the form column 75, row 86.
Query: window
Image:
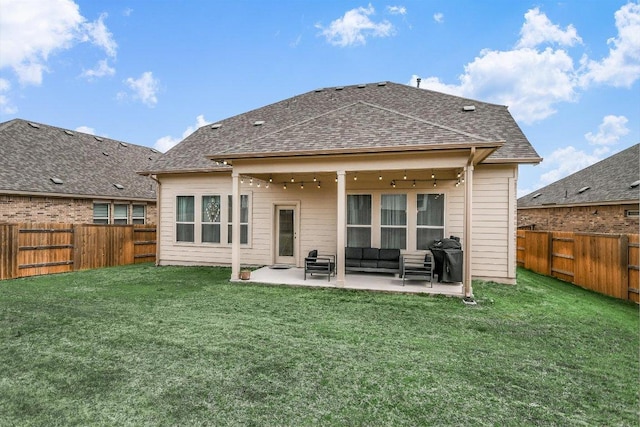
column 359, row 220
column 101, row 213
column 120, row 214
column 244, row 219
column 138, row 214
column 430, row 221
column 393, row 221
column 210, row 219
column 185, row 217
column 631, row 213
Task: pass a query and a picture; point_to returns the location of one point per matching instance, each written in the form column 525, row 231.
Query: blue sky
column 151, row 72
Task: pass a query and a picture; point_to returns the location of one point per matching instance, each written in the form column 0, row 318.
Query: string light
column 270, row 178
column 355, row 177
column 250, row 181
column 302, row 185
column 242, row 180
column 318, row 184
column 292, row 180
column 380, row 177
column 414, row 183
column 405, row 175
column 433, row 175
column 434, row 183
column 314, row 178
column 393, row 183
column 284, row 186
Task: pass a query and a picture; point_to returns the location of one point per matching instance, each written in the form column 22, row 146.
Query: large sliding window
column 393, row 221
column 244, row 219
column 430, row 221
column 185, row 219
column 359, row 220
column 210, row 219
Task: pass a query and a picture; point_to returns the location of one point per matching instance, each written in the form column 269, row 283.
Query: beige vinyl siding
column 492, row 222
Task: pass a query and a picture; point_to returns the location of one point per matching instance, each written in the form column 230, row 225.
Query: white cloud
column 86, row 129
column 609, row 131
column 98, row 34
column 622, row 67
column 167, row 142
column 438, row 17
column 538, row 29
column 145, row 88
column 5, row 104
column 397, row 10
column 565, row 161
column 102, row 69
column 530, row 82
column 33, row 31
column 354, row 27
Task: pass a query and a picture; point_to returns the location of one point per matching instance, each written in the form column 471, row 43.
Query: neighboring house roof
column 34, row 155
column 614, row 179
column 350, row 119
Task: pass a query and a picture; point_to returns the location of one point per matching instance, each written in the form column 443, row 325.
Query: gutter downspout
column 158, row 193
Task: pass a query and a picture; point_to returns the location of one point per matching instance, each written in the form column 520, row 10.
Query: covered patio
column 360, row 281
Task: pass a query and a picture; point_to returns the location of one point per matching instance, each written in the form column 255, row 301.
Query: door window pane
column 285, row 228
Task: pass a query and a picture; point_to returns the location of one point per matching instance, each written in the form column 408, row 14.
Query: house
column 382, row 165
column 602, row 198
column 54, row 175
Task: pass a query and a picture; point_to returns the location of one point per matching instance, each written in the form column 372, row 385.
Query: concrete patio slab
column 370, row 282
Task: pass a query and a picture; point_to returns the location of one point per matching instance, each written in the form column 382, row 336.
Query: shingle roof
column 607, row 181
column 348, row 118
column 33, row 154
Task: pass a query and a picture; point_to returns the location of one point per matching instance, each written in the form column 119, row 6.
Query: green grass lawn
column 141, row 345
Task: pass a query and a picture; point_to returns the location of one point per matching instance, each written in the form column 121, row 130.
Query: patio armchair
column 319, row 264
column 417, row 267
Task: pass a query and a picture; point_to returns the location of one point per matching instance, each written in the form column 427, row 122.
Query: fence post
column 8, row 251
column 624, row 265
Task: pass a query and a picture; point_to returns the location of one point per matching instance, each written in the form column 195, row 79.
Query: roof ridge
column 344, row 107
column 461, row 132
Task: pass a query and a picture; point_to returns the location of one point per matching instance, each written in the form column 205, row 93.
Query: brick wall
column 591, row 219
column 17, row 209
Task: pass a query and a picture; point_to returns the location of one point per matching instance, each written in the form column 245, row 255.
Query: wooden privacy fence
column 604, row 263
column 42, row 248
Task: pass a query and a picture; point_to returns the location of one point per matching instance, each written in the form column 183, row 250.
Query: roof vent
column 258, row 123
column 361, row 86
column 98, row 138
column 216, row 126
column 68, row 132
column 340, row 88
column 34, row 125
column 469, row 108
column 154, row 150
column 118, row 186
column 583, row 189
column 319, row 89
column 150, row 158
column 535, row 196
column 382, row 84
column 105, row 153
column 124, row 144
column 56, row 180
column 635, row 184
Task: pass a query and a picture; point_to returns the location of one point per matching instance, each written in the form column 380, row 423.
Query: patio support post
column 341, row 226
column 235, row 226
column 468, row 221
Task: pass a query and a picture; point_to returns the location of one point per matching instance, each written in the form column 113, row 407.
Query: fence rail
column 605, row 263
column 42, row 248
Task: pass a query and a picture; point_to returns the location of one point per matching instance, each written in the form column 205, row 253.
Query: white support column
column 468, row 221
column 341, row 225
column 235, row 226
